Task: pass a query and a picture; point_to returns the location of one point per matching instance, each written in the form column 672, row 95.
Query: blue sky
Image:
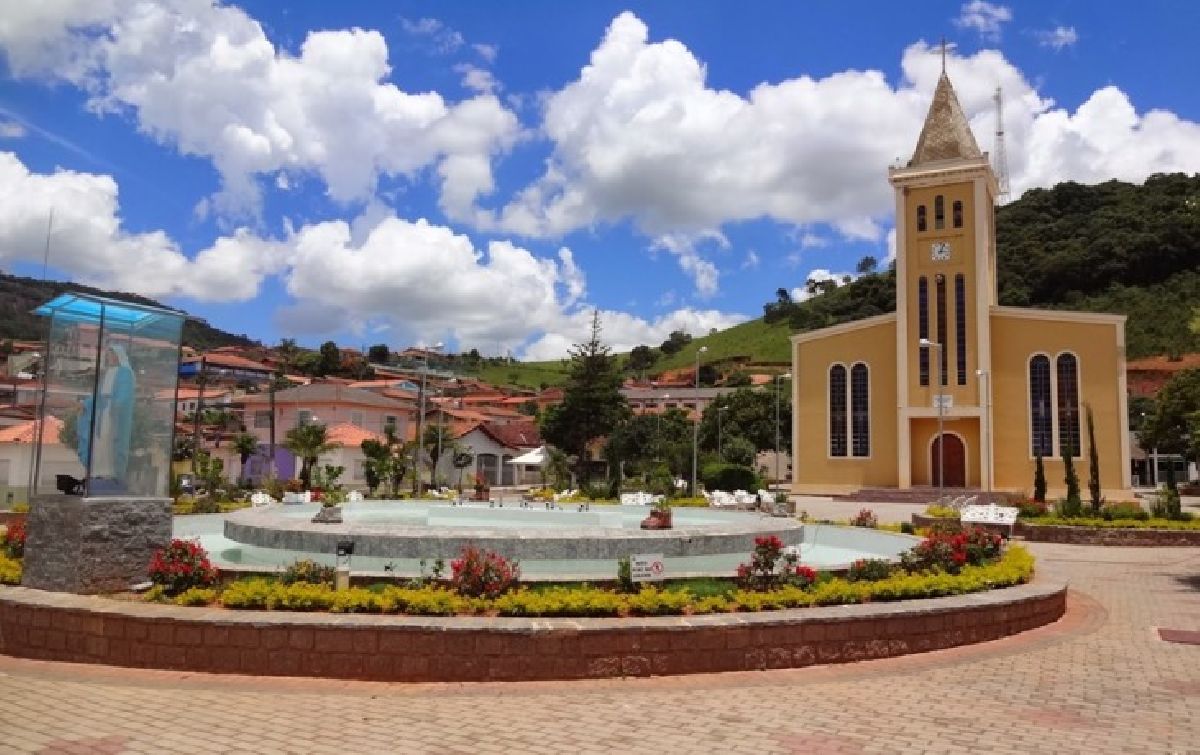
column 486, row 174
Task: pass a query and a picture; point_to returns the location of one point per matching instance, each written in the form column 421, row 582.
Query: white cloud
column 205, row 79
column 487, row 52
column 443, row 39
column 88, row 241
column 640, row 135
column 622, row 331
column 983, row 17
column 477, row 79
column 11, row 129
column 1058, row 38
column 752, row 260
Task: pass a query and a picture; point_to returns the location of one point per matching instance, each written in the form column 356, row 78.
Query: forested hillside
column 20, row 296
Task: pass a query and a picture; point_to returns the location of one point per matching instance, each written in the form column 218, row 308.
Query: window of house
column 262, row 418
column 860, row 418
column 837, row 410
column 921, row 222
column 923, row 325
column 960, row 327
column 360, row 469
column 1041, row 421
column 487, row 465
column 1068, row 404
column 390, row 420
column 356, row 419
column 957, row 213
column 304, row 417
column 939, row 212
column 941, row 328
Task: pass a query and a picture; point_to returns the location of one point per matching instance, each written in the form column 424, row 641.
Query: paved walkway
column 1099, row 681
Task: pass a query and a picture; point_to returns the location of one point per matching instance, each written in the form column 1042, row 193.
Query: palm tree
column 308, row 442
column 246, row 445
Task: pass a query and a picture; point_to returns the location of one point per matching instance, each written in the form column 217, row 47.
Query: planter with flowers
column 660, row 517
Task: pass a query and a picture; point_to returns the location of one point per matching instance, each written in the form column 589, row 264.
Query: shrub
column 1072, row 505
column 865, row 518
column 180, row 566
column 1123, row 510
column 950, row 552
column 10, row 570
column 252, row 593
column 906, row 528
column 14, row 539
column 206, row 504
column 196, row 596
column 869, row 570
column 769, row 566
column 719, row 476
column 652, row 601
column 1166, row 504
column 479, row 573
column 308, row 571
column 941, row 512
column 1039, row 480
column 625, row 581
column 1028, row 509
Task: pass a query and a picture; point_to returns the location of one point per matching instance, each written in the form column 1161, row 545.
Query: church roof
column 946, row 134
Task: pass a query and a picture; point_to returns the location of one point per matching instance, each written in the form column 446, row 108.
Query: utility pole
column 696, row 419
column 778, row 379
column 197, row 413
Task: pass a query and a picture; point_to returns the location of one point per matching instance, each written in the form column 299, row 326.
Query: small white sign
column 647, row 567
column 945, row 401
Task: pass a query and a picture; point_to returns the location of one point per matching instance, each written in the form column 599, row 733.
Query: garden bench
column 990, row 514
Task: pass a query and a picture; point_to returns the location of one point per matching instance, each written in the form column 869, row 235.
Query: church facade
column 1010, row 384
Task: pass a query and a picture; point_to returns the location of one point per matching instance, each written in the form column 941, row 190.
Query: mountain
column 20, row 296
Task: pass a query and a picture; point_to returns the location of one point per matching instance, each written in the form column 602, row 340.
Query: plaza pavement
column 1098, row 681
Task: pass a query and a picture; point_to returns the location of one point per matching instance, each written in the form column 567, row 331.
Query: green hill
column 20, row 296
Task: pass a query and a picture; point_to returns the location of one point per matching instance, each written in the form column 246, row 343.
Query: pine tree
column 1072, row 505
column 592, row 404
column 1093, row 465
column 1039, row 480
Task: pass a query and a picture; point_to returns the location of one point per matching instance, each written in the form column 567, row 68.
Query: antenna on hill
column 1000, row 159
column 46, row 252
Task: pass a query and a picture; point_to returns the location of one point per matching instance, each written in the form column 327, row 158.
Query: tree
column 246, row 445
column 642, row 441
column 749, row 414
column 1072, row 505
column 1174, row 425
column 592, row 403
column 331, row 359
column 867, row 265
column 739, row 451
column 1039, row 480
column 435, row 450
column 738, row 379
column 307, row 442
column 1094, row 495
column 377, row 465
column 379, row 353
column 641, row 358
column 675, row 342
column 708, row 375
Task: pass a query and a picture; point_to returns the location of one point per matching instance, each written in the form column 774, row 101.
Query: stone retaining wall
column 1053, row 533
column 88, row 629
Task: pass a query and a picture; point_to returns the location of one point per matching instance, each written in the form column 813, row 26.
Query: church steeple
column 946, row 134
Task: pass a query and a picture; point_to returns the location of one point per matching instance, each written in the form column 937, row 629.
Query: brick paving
column 1099, row 681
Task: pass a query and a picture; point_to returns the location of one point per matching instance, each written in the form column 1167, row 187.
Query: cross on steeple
column 943, row 54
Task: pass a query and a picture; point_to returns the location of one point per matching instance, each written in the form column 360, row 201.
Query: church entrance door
column 955, row 459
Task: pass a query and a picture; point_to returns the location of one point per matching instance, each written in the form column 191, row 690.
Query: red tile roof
column 513, row 434
column 232, row 361
column 26, row 432
column 349, row 436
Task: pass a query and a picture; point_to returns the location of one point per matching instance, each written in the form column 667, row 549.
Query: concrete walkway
column 1099, row 681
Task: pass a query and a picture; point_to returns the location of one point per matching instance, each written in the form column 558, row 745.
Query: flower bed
column 1140, row 524
column 1133, row 532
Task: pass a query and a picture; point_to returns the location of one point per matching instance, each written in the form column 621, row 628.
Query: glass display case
column 108, row 401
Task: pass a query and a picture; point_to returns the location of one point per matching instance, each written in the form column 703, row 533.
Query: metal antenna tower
column 1000, row 159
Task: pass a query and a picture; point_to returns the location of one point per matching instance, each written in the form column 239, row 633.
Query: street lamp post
column 720, row 412
column 778, row 378
column 925, row 343
column 696, row 418
column 985, row 403
column 417, row 461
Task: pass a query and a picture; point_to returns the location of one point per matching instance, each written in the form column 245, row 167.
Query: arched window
column 939, row 212
column 921, row 223
column 1041, row 421
column 960, row 327
column 941, row 328
column 957, row 212
column 837, row 410
column 860, row 417
column 1068, row 404
column 923, row 325
column 487, row 466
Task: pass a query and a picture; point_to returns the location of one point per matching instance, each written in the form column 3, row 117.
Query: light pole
column 417, row 462
column 441, row 428
column 925, row 343
column 696, row 418
column 778, row 378
column 720, row 412
column 985, row 395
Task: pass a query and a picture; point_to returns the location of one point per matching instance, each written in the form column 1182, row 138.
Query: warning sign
column 647, row 567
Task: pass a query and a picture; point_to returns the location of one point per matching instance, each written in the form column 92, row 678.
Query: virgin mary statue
column 113, row 423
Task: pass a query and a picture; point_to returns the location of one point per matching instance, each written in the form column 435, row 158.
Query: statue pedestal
column 91, row 545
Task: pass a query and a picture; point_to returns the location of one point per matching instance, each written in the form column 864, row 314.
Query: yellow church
column 1005, row 384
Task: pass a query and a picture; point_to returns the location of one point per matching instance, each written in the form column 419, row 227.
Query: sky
column 486, row 175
